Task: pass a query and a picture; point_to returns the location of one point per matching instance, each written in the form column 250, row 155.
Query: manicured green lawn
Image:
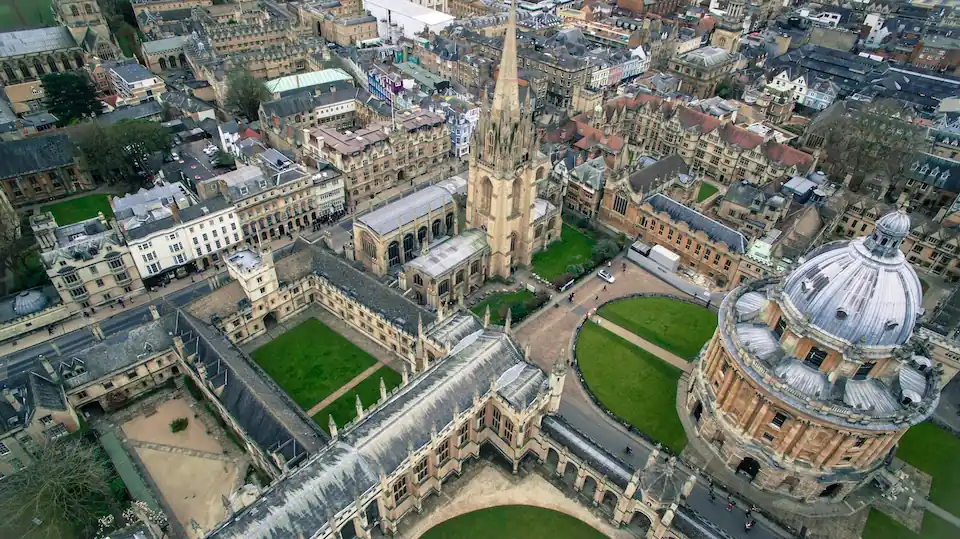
column 344, row 409
column 880, row 526
column 497, row 300
column 78, row 209
column 632, row 383
column 933, row 450
column 574, row 247
column 513, row 522
column 312, row 361
column 706, row 191
column 675, row 326
column 20, row 14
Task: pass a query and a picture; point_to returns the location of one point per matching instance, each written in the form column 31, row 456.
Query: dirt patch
column 192, row 486
column 155, row 428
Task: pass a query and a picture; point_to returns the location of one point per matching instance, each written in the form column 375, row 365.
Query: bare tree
column 876, row 139
column 62, row 493
column 15, row 246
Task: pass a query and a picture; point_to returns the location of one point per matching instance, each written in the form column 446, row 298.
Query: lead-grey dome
column 862, row 291
column 29, row 302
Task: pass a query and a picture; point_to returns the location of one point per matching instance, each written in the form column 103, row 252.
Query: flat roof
column 414, row 11
column 450, row 254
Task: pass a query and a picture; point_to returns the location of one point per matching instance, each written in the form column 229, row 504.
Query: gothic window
column 369, row 248
column 172, row 60
column 538, row 232
column 620, row 204
column 78, row 60
column 540, row 173
column 400, row 489
column 508, row 431
column 444, row 287
column 417, row 280
column 88, row 8
column 421, row 235
column 448, row 222
column 420, row 472
column 8, row 71
column 513, row 241
column 163, row 64
column 553, row 221
column 443, row 452
column 496, row 419
column 408, row 253
column 53, row 64
column 460, row 275
column 104, row 52
column 393, row 253
column 74, row 11
column 38, row 66
column 515, row 195
column 435, row 227
column 475, row 267
column 24, row 70
column 486, row 194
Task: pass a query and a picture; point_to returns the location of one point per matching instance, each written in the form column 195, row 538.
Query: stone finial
column 332, row 425
column 493, row 383
column 476, row 397
column 526, row 352
column 456, row 412
column 440, row 312
column 433, row 430
column 404, row 375
column 486, row 317
column 420, row 326
column 359, row 406
column 506, row 324
column 460, row 300
column 383, row 389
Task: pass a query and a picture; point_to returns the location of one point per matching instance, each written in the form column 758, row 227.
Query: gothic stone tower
column 505, row 167
column 87, row 26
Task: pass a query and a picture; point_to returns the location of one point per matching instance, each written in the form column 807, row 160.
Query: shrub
column 561, row 280
column 576, row 270
column 179, row 424
column 498, row 279
column 605, row 250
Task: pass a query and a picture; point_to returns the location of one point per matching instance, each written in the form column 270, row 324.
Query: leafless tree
column 15, row 246
column 61, row 494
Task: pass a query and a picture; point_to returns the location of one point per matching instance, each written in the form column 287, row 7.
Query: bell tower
column 505, row 166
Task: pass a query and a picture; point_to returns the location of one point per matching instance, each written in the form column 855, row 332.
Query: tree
column 15, row 247
column 63, row 493
column 605, row 250
column 116, row 153
column 70, row 97
column 244, row 94
column 875, row 140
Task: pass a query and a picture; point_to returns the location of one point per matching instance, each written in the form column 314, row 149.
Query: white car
column 605, row 275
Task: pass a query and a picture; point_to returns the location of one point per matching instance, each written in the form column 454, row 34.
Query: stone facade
column 36, row 413
column 39, row 168
column 702, row 70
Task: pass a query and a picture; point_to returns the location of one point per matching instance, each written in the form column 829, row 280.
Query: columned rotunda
column 810, row 380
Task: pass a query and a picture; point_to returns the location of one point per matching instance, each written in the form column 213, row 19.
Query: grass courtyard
column 632, row 383
column 312, row 361
column 675, row 326
column 513, row 522
column 880, row 526
column 498, row 300
column 21, row 14
column 344, row 409
column 574, row 247
column 706, row 191
column 80, row 208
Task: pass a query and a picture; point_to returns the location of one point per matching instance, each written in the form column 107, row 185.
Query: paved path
column 181, row 450
column 669, row 357
column 315, row 409
column 940, row 512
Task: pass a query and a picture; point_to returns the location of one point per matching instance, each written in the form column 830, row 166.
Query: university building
column 39, row 168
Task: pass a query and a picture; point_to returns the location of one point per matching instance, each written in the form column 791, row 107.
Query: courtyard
column 574, row 247
column 80, row 208
column 498, row 301
column 513, row 522
column 706, row 191
column 190, row 468
column 634, row 384
column 676, row 326
column 312, row 361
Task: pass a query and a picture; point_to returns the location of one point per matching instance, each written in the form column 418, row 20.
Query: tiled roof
column 694, row 120
column 738, row 136
column 35, row 154
column 697, row 221
column 663, row 169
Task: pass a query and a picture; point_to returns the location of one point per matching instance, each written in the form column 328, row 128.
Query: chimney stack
column 12, row 399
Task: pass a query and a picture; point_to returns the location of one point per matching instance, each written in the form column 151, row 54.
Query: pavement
column 632, row 337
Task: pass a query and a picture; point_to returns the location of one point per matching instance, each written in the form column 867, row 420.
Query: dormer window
column 841, row 314
column 891, row 325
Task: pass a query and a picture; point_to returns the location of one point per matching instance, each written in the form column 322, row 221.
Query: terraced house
column 718, row 149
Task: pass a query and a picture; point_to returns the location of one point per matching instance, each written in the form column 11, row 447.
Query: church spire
column 506, row 96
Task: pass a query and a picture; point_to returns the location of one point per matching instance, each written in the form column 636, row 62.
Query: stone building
column 86, row 24
column 338, row 106
column 133, row 84
column 34, row 411
column 88, row 262
column 39, row 168
column 810, row 380
column 397, row 232
column 701, row 70
column 448, row 270
column 753, row 210
column 27, row 55
column 163, row 54
column 381, row 156
column 717, row 149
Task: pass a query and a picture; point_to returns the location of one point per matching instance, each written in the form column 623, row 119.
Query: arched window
column 163, row 64
column 24, row 70
column 172, row 60
column 475, row 267
column 444, row 287
column 78, row 59
column 104, row 51
column 38, row 66
column 408, row 252
column 88, row 8
column 620, row 204
column 369, row 248
column 435, row 227
column 422, row 235
column 460, row 276
column 515, row 195
column 417, row 280
column 8, row 71
column 448, row 223
column 540, row 173
column 74, row 11
column 53, row 64
column 513, row 242
column 538, row 232
column 393, row 253
column 486, row 194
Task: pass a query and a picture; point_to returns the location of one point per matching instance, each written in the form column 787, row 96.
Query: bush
column 576, row 270
column 179, row 424
column 561, row 280
column 605, row 250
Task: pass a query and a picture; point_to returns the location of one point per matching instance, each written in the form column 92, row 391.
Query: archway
column 749, row 467
column 435, row 228
column 570, row 473
column 183, row 59
column 552, row 461
column 610, row 501
column 589, row 487
column 421, row 235
column 270, row 320
column 697, row 411
column 399, row 176
column 831, row 490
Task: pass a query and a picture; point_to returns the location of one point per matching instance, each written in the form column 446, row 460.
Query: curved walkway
column 632, row 337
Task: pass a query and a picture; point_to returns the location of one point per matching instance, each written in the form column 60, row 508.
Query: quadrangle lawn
column 574, row 247
column 674, row 325
column 635, row 385
column 312, row 361
column 75, row 210
column 344, row 409
column 706, row 191
column 513, row 522
column 497, row 300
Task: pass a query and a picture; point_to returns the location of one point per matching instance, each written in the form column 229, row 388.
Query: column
column 828, row 449
column 744, row 419
column 759, row 418
column 795, row 429
column 732, row 393
column 868, row 448
column 725, row 387
column 841, row 451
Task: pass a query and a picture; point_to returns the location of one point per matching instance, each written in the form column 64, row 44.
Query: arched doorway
column 270, row 320
column 399, row 176
column 831, row 490
column 570, row 473
column 788, row 484
column 589, row 487
column 553, row 461
column 697, row 411
column 609, row 501
column 280, row 228
column 749, row 467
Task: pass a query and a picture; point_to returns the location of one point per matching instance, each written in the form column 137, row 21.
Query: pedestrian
column 729, row 506
column 604, row 288
column 597, row 298
column 624, row 267
column 713, row 495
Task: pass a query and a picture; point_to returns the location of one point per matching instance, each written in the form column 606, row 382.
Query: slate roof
column 936, row 171
column 302, row 102
column 697, row 221
column 45, row 393
column 35, row 154
column 23, row 42
column 175, row 43
column 661, row 171
column 301, row 503
column 580, row 445
column 133, row 112
column 391, row 216
column 190, row 213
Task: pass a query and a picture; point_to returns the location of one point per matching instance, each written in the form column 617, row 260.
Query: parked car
column 605, row 275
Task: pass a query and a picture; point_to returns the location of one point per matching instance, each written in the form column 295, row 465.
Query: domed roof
column 29, row 302
column 863, row 291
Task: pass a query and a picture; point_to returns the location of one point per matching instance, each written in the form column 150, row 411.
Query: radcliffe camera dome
column 861, row 292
